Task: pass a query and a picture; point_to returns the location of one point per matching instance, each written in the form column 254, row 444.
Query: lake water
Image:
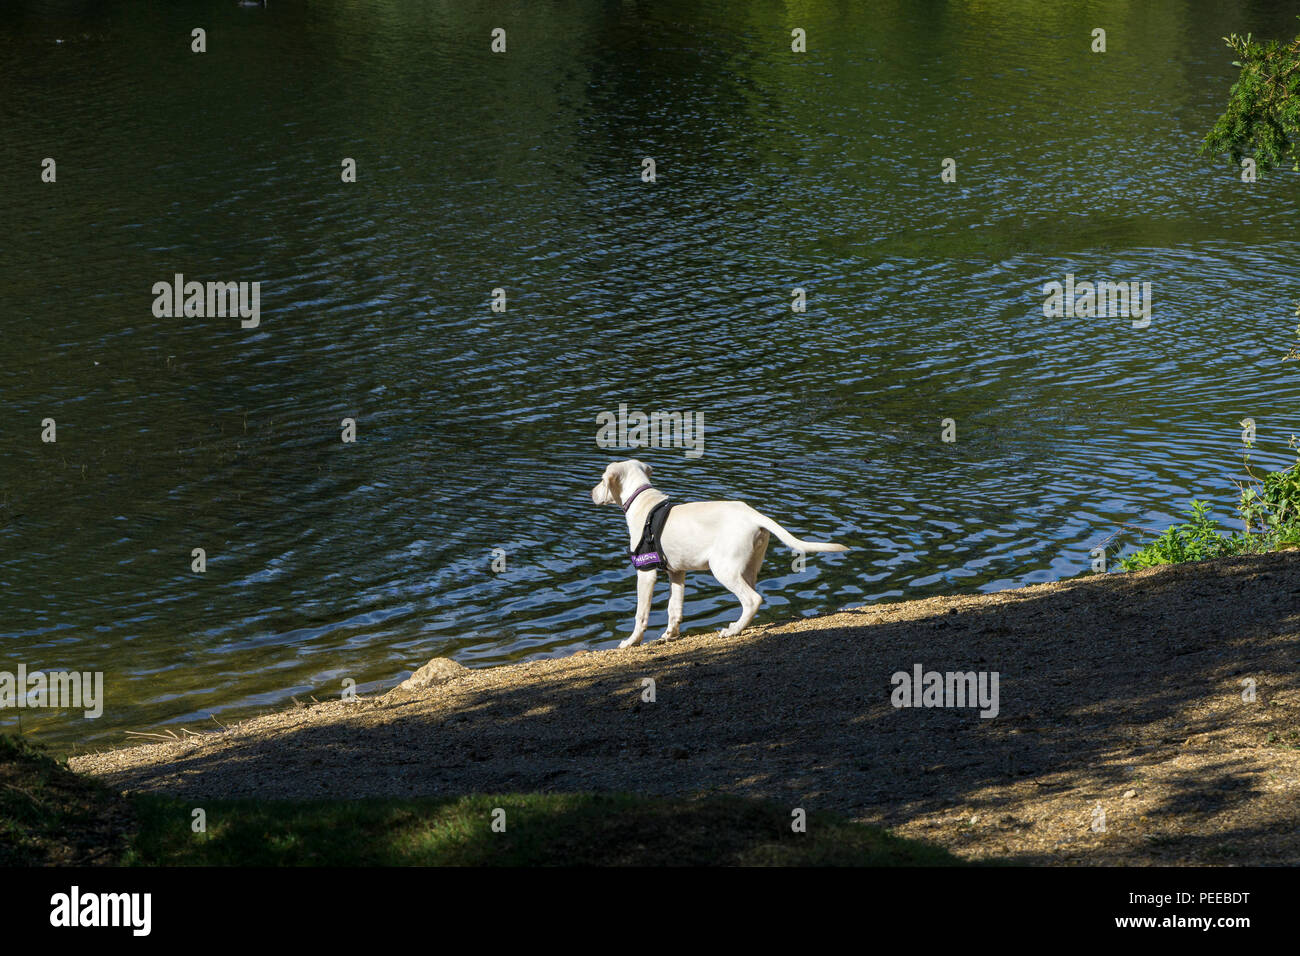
column 476, row 430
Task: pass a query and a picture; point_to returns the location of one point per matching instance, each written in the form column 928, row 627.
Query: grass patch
column 541, row 830
column 50, row 815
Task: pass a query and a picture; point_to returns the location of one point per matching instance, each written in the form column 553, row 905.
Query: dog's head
column 621, row 477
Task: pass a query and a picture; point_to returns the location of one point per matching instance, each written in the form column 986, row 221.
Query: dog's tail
column 790, row 541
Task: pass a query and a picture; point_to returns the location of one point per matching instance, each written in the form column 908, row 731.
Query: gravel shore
column 1119, row 694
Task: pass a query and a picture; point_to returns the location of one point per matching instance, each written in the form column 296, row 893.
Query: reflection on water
column 476, row 430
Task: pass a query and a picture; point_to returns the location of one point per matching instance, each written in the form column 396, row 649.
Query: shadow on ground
column 1122, row 734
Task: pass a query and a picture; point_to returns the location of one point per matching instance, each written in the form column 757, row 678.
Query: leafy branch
column 1263, row 115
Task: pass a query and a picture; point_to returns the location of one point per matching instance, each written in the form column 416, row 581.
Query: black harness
column 648, row 555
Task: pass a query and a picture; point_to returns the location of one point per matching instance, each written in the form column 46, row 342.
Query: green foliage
column 1273, row 506
column 1268, row 505
column 1263, row 115
column 1194, row 540
column 1269, row 508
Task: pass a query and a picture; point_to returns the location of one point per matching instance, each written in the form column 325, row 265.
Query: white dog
column 728, row 538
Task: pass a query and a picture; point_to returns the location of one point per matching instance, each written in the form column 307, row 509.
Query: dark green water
column 476, row 430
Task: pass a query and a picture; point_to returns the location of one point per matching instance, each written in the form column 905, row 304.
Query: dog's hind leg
column 676, row 596
column 645, row 592
column 756, row 560
column 733, row 579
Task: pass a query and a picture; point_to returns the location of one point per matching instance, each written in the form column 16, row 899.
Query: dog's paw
column 629, row 642
column 731, row 631
column 669, row 635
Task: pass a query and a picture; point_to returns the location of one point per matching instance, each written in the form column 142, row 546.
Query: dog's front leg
column 676, row 596
column 645, row 592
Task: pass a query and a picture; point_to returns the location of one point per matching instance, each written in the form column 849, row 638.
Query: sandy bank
column 1123, row 691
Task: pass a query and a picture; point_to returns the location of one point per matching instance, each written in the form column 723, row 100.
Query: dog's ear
column 608, row 491
column 646, row 468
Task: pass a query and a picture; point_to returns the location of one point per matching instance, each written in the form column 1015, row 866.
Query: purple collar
column 628, row 504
